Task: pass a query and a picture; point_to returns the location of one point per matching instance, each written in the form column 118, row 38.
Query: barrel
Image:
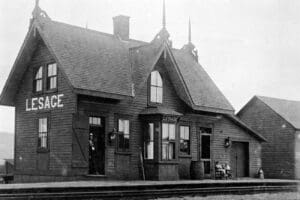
column 197, row 170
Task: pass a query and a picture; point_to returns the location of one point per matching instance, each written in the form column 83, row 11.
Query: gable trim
column 256, row 98
column 191, row 103
column 54, row 55
column 12, row 71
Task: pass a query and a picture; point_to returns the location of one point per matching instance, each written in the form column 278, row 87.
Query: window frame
column 168, row 142
column 119, row 149
column 44, row 78
column 34, row 82
column 156, row 86
column 40, row 148
column 47, row 77
column 182, row 153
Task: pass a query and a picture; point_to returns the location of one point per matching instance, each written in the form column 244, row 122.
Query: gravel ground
column 262, row 196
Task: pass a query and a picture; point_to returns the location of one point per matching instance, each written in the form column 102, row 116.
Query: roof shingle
column 287, row 109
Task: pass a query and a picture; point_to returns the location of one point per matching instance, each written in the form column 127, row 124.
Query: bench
column 7, row 178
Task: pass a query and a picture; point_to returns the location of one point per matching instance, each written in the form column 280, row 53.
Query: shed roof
column 287, row 109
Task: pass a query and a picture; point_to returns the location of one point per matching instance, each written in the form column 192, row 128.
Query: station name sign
column 46, row 102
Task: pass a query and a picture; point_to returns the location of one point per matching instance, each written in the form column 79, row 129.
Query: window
column 38, row 80
column 168, row 141
column 185, row 140
column 96, row 121
column 156, row 91
column 51, row 76
column 123, row 135
column 42, row 133
column 149, row 142
column 45, row 76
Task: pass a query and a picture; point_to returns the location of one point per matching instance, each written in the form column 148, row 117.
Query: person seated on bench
column 227, row 170
column 220, row 170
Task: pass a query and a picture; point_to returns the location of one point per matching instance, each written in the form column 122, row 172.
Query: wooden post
column 142, row 164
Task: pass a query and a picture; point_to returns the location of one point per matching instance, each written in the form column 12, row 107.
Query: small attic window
column 156, row 88
column 51, row 76
column 38, row 80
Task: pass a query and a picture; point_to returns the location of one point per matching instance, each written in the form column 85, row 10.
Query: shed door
column 239, row 159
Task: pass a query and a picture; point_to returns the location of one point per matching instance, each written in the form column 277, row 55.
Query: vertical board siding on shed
column 278, row 152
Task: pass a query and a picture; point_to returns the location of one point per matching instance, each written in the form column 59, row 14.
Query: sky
column 248, row 47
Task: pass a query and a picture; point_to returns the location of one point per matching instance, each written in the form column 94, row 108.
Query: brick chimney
column 121, row 26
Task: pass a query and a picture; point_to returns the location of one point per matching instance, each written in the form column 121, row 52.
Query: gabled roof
column 203, row 91
column 244, row 126
column 102, row 64
column 287, row 109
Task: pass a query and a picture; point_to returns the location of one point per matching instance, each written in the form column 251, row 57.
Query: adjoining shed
column 278, row 120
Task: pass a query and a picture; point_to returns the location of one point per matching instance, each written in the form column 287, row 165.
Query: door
column 239, row 159
column 96, row 145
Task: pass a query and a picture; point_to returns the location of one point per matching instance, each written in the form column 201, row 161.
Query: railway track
column 146, row 191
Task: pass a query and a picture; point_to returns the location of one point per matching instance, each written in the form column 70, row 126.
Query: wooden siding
column 26, row 131
column 278, row 152
column 65, row 154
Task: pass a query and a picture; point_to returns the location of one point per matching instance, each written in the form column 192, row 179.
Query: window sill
column 123, row 152
column 51, row 91
column 39, row 93
column 42, row 150
column 185, row 156
column 172, row 162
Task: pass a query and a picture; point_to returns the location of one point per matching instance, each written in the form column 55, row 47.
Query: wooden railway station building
column 89, row 103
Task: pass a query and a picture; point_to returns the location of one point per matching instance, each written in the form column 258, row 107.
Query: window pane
column 164, row 151
column 165, row 134
column 151, row 131
column 149, row 150
column 121, row 140
column 53, row 82
column 39, row 73
column 172, row 131
column 38, row 85
column 153, row 77
column 187, row 133
column 126, row 141
column 54, row 70
column 49, row 70
column 171, row 151
column 159, row 95
column 153, row 94
column 158, row 80
column 43, row 125
column 126, row 127
column 121, row 126
column 181, row 132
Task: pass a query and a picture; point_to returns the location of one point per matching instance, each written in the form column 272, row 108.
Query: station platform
column 143, row 189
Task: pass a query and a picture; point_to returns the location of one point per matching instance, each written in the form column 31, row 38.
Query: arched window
column 38, row 80
column 156, row 91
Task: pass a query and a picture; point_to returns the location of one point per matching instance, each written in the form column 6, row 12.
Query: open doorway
column 96, row 145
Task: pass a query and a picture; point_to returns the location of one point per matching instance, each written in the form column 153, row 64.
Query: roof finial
column 164, row 14
column 38, row 12
column 37, row 3
column 190, row 31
